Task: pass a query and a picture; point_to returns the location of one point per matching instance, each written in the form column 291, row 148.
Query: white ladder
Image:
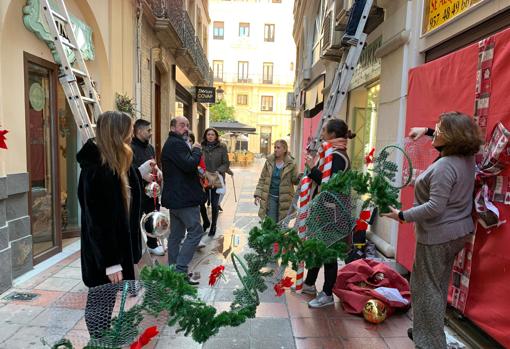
column 343, row 77
column 85, row 117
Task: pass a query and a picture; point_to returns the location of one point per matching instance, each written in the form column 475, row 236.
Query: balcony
column 175, row 30
column 256, row 79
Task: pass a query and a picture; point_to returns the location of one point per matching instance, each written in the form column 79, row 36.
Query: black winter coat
column 181, row 184
column 108, row 235
column 143, row 151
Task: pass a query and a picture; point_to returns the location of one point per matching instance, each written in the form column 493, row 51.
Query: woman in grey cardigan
column 443, row 223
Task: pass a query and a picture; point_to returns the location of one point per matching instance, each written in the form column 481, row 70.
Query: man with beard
column 182, row 194
column 143, row 151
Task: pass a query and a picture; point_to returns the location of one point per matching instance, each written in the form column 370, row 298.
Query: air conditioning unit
column 307, row 74
column 331, row 39
column 342, row 10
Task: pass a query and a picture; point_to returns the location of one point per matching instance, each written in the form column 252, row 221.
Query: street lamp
column 219, row 94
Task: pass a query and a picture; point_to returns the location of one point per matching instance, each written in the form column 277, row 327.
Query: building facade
column 402, row 35
column 252, row 55
column 146, row 50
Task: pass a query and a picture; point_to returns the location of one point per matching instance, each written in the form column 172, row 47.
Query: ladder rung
column 68, row 44
column 59, row 16
column 88, row 100
column 78, row 72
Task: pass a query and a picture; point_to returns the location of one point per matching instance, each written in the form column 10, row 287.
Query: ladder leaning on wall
column 343, row 76
column 82, row 97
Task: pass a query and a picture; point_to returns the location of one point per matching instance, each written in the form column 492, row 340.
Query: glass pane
column 40, row 167
column 68, row 171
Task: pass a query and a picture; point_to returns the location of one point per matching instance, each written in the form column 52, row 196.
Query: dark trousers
column 214, row 199
column 355, row 16
column 99, row 309
column 330, row 272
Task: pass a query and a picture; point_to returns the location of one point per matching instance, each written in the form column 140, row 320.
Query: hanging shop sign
column 34, row 20
column 439, row 12
column 369, row 66
column 206, row 94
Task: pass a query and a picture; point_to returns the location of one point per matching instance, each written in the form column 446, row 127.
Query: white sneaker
column 309, row 289
column 322, row 300
column 205, row 240
column 158, row 251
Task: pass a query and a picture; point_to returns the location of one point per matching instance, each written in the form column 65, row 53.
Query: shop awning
column 232, row 126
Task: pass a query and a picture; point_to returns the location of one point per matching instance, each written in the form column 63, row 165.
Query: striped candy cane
column 305, row 196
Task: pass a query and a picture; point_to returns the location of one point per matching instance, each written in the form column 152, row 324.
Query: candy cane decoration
column 305, row 196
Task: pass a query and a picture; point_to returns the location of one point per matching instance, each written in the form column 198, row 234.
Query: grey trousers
column 181, row 221
column 273, row 207
column 429, row 290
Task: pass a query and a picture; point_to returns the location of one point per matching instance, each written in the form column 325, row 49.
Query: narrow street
column 282, row 322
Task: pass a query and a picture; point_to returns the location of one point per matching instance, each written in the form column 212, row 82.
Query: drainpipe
column 138, row 84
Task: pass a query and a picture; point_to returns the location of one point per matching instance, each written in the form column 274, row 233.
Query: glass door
column 42, row 160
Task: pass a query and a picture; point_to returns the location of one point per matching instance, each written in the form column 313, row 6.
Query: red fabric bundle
column 355, row 283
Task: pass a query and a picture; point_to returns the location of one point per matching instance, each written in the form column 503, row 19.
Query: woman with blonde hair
column 110, row 195
column 275, row 189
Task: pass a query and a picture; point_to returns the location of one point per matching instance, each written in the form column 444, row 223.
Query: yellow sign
column 439, row 12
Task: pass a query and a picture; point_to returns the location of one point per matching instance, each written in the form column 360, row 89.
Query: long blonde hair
column 113, row 132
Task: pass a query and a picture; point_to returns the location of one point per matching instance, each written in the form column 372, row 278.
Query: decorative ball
column 155, row 224
column 374, row 311
column 151, row 188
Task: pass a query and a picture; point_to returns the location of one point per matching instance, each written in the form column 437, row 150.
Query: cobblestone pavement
column 281, row 322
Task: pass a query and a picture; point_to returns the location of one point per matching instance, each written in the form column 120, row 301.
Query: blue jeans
column 182, row 220
column 355, row 17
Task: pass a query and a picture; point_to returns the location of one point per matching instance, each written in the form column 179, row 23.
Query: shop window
column 266, row 103
column 218, row 31
column 244, row 30
column 267, row 73
column 269, row 32
column 242, row 99
column 317, row 34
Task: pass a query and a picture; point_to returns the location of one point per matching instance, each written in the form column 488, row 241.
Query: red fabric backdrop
column 309, row 129
column 448, row 84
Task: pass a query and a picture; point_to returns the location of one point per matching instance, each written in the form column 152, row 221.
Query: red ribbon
column 3, row 145
column 215, row 274
column 145, row 337
column 370, row 157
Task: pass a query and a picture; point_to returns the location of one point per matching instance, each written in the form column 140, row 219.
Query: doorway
column 42, row 157
column 265, row 140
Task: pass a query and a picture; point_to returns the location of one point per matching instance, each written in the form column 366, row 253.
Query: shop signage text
column 206, row 94
column 369, row 66
column 439, row 12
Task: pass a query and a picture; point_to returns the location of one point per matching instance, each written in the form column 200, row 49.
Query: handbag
column 214, row 179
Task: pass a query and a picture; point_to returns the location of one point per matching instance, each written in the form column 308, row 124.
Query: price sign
column 439, row 12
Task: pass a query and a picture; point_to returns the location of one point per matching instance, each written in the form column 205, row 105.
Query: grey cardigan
column 443, row 199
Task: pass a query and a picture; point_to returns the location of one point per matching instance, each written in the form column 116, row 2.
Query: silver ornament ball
column 151, row 188
column 158, row 222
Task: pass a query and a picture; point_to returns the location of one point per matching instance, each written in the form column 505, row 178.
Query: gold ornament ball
column 374, row 311
column 151, row 188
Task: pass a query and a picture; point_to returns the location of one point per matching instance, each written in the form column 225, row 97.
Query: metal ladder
column 343, row 76
column 85, row 107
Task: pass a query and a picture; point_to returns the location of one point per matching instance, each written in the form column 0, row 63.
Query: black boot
column 410, row 333
column 215, row 212
column 205, row 220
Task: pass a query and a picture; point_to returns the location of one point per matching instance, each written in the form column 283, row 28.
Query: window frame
column 222, row 36
column 269, row 32
column 218, row 63
column 244, row 26
column 242, row 99
column 244, row 77
column 266, row 106
column 267, row 79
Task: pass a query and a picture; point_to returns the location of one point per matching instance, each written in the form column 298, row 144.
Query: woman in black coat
column 109, row 194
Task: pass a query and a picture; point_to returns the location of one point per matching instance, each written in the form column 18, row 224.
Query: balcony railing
column 172, row 10
column 258, row 79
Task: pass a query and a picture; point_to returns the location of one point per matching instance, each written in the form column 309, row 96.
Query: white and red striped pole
column 305, row 196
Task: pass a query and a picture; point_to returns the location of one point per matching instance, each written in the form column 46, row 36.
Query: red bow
column 370, row 157
column 361, row 224
column 145, row 337
column 3, row 145
column 215, row 274
column 279, row 288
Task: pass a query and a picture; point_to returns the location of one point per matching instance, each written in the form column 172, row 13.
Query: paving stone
column 237, row 342
column 177, row 342
column 19, row 314
column 241, row 331
column 276, row 343
column 58, row 318
column 7, row 330
column 33, row 337
column 270, row 328
column 57, row 284
column 68, row 272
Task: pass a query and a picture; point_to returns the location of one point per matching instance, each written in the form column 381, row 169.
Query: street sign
column 206, row 94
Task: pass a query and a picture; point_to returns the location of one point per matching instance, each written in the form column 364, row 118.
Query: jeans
column 181, row 221
column 355, row 17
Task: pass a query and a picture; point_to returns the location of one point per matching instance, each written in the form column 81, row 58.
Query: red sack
column 356, row 281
